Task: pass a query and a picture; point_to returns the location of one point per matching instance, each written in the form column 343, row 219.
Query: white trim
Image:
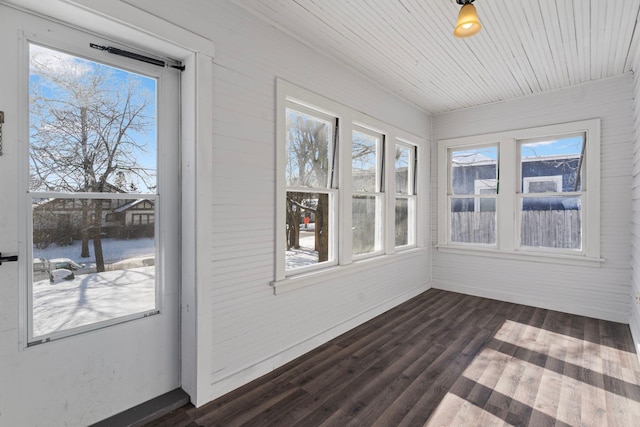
column 197, row 199
column 541, row 300
column 522, row 255
column 316, row 278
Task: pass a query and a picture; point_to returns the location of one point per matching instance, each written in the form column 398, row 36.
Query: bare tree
column 308, row 166
column 84, row 118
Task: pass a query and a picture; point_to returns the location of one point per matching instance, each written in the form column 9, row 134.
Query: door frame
column 122, row 22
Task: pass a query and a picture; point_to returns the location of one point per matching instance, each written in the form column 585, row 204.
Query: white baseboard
column 634, row 325
column 563, row 306
column 241, row 377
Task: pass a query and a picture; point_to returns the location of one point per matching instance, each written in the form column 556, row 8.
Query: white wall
column 634, row 320
column 252, row 331
column 601, row 292
column 241, row 329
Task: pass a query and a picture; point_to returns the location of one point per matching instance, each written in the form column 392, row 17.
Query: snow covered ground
column 91, row 298
column 306, row 255
column 95, row 297
column 114, row 250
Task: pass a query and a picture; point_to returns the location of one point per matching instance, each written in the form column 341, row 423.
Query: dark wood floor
column 446, row 359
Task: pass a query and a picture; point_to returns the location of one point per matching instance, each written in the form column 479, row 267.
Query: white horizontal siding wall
column 601, row 292
column 252, row 331
column 634, row 320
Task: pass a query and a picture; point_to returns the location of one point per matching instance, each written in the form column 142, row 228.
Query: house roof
column 131, row 204
column 477, row 159
column 525, row 47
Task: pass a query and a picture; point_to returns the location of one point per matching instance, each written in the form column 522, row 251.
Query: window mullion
column 389, row 198
column 345, row 153
column 507, row 226
column 444, row 199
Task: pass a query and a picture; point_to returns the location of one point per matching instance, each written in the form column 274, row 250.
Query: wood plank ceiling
column 407, row 46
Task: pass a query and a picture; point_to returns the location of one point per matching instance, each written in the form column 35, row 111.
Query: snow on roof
column 41, row 202
column 471, row 158
column 477, row 159
column 131, row 204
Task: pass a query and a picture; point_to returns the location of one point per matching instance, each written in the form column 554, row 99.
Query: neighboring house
column 542, row 174
column 61, row 220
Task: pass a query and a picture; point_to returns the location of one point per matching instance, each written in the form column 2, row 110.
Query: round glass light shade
column 468, row 23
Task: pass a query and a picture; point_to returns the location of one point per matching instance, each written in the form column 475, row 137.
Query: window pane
column 92, row 127
column 552, row 165
column 91, row 263
column 402, row 222
column 308, row 150
column 366, row 224
column 474, row 170
column 364, row 162
column 473, row 220
column 551, row 222
column 308, row 233
column 403, row 158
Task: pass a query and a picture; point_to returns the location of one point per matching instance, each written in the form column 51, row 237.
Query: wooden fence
column 550, row 229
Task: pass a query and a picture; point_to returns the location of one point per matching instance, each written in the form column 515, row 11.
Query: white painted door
column 89, row 201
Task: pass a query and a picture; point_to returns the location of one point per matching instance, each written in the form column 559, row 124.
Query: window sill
column 530, row 256
column 304, row 280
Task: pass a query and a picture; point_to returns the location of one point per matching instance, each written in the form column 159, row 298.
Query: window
column 550, row 207
column 405, row 209
column 530, row 191
column 335, row 167
column 472, row 194
column 311, row 181
column 92, row 147
column 367, row 186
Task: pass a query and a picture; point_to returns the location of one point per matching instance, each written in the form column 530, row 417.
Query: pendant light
column 468, row 23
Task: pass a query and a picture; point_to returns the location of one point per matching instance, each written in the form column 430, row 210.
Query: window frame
column 508, row 222
column 411, row 196
column 348, row 121
column 476, row 197
column 330, row 187
column 378, row 193
column 166, row 169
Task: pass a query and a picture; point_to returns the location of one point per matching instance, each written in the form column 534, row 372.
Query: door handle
column 7, row 258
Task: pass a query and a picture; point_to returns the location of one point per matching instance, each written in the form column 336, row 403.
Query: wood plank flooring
column 447, row 359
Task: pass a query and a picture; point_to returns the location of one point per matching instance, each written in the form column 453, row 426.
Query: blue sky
column 75, row 67
column 552, row 147
column 571, row 145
